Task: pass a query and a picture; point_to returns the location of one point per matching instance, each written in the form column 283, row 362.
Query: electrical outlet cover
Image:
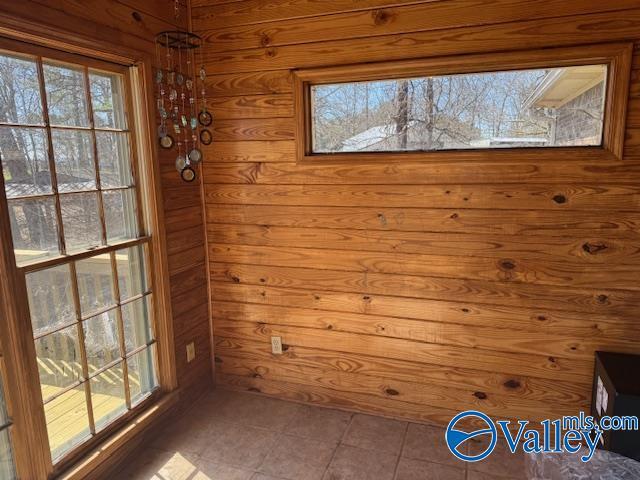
column 191, row 352
column 276, row 345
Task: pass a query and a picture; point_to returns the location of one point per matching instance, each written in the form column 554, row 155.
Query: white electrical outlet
column 276, row 345
column 191, row 352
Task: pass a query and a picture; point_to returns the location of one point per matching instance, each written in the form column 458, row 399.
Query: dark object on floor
column 616, row 392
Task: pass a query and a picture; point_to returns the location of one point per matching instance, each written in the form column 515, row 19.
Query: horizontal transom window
column 520, row 108
column 466, row 105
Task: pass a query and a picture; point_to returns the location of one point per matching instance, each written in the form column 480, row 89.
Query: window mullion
column 123, row 348
column 133, row 155
column 83, row 349
column 50, row 154
column 96, row 161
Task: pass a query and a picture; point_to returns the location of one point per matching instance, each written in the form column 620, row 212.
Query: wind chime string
column 179, row 113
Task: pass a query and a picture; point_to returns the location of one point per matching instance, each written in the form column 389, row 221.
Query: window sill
column 116, row 447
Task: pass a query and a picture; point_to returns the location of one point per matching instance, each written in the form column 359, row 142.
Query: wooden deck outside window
column 74, row 195
column 469, row 107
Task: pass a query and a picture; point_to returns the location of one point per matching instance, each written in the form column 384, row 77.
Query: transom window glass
column 78, row 235
column 522, row 108
column 7, row 470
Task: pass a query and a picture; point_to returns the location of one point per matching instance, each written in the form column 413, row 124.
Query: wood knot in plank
column 507, row 264
column 217, row 359
column 265, row 41
column 136, row 16
column 254, row 389
column 559, row 199
column 602, row 299
column 512, row 384
column 392, row 392
column 593, row 248
column 480, row 395
column 380, row 17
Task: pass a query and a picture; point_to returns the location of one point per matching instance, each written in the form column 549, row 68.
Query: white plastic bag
column 604, row 465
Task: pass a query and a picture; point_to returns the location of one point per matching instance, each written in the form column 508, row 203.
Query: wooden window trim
column 31, row 450
column 617, row 57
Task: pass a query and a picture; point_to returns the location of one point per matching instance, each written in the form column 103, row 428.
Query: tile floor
column 241, row 436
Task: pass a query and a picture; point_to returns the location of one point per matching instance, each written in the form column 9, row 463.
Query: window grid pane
column 76, row 157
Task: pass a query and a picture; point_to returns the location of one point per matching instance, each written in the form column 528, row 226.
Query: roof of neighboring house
column 561, row 85
column 368, row 138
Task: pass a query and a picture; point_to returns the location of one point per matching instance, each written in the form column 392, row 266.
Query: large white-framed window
column 70, row 174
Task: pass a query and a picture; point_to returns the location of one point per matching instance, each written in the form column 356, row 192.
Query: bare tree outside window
column 526, row 108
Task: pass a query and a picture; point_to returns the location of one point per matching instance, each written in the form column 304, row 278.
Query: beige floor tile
column 257, row 411
column 409, row 469
column 151, row 464
column 235, row 436
column 428, row 443
column 375, row 433
column 298, row 458
column 238, row 445
column 182, row 435
column 206, row 470
column 501, row 462
column 262, row 476
column 319, row 423
column 472, row 475
column 351, row 463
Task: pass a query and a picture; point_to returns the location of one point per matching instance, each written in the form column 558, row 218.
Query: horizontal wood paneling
column 533, row 389
column 392, row 388
column 390, row 20
column 482, row 337
column 503, row 197
column 252, row 106
column 524, row 268
column 275, row 289
column 250, row 83
column 403, row 173
column 599, row 27
column 412, row 289
column 477, row 221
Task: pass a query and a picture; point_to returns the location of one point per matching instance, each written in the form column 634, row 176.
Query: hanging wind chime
column 184, row 118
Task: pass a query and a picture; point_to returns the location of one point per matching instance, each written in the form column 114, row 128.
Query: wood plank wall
column 133, row 24
column 411, row 289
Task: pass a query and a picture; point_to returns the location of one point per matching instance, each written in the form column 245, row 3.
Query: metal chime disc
column 181, row 163
column 205, row 118
column 166, row 141
column 188, row 174
column 195, row 155
column 205, row 137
